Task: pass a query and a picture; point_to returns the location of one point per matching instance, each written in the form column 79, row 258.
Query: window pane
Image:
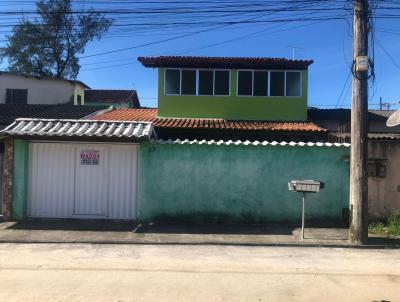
column 277, row 83
column 189, row 82
column 16, row 96
column 245, row 83
column 206, row 79
column 172, row 81
column 293, row 83
column 260, row 83
column 221, row 82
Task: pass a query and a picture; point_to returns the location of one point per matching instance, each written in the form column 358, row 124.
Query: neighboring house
column 18, row 88
column 229, row 133
column 383, row 154
column 112, row 97
column 10, row 112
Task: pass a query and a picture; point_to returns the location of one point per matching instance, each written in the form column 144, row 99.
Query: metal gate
column 82, row 180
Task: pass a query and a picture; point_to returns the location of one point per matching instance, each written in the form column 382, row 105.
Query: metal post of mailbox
column 303, row 187
column 302, row 216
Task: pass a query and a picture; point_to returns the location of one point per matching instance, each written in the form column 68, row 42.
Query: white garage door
column 82, row 180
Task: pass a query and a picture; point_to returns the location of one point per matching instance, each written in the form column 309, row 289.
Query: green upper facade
column 231, row 88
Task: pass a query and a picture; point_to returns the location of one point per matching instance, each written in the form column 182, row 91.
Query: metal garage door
column 82, row 180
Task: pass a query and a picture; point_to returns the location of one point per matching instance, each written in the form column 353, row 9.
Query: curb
column 244, row 244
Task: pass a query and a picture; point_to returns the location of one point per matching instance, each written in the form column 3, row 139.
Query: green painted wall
column 240, row 183
column 20, row 179
column 233, row 106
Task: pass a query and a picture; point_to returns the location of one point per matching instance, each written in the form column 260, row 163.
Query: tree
column 50, row 45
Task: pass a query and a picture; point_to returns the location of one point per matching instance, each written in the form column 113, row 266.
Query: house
column 383, row 154
column 10, row 112
column 16, row 88
column 228, row 135
column 112, row 97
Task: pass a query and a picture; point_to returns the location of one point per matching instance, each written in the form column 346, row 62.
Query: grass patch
column 388, row 227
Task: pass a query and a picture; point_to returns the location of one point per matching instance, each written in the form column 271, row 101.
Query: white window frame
column 197, row 81
column 301, row 84
column 230, row 80
column 284, row 83
column 197, row 87
column 269, row 83
column 252, row 83
column 180, row 81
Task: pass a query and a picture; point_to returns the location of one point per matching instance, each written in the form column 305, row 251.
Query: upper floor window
column 197, row 82
column 16, row 96
column 268, row 83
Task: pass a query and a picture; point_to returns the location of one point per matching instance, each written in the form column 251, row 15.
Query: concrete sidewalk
column 128, row 232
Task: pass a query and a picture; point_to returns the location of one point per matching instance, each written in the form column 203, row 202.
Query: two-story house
column 229, row 133
column 229, row 98
column 16, row 88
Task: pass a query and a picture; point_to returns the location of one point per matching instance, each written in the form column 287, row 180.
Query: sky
column 326, row 40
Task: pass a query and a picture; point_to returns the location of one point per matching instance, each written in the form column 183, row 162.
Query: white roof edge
column 246, row 143
column 80, row 121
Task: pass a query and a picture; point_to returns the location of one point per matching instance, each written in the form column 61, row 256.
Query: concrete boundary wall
column 240, row 183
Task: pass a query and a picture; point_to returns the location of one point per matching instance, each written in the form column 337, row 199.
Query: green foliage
column 391, row 226
column 377, row 227
column 49, row 46
column 394, row 224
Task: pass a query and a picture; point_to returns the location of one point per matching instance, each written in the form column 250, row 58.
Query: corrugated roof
column 224, row 62
column 207, row 123
column 10, row 112
column 112, row 96
column 80, row 128
column 247, row 142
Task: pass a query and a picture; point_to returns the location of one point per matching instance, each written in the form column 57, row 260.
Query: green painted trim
column 20, row 179
column 233, row 106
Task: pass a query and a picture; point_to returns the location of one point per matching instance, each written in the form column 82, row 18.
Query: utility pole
column 359, row 125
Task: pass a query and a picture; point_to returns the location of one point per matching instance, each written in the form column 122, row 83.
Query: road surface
column 75, row 272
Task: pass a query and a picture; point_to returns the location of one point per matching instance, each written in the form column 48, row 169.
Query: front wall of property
column 240, row 183
column 233, row 106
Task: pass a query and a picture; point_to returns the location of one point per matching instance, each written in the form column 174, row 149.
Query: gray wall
column 384, row 193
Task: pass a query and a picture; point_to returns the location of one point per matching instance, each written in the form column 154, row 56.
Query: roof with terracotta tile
column 150, row 115
column 112, row 96
column 224, row 62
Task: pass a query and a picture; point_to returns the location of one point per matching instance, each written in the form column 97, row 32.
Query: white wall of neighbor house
column 41, row 91
column 79, row 94
column 384, row 177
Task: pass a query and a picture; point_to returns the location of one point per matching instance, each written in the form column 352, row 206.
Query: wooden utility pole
column 359, row 127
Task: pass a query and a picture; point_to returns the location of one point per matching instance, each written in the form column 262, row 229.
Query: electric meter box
column 362, row 63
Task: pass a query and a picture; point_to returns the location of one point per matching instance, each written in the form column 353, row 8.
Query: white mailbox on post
column 305, row 186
